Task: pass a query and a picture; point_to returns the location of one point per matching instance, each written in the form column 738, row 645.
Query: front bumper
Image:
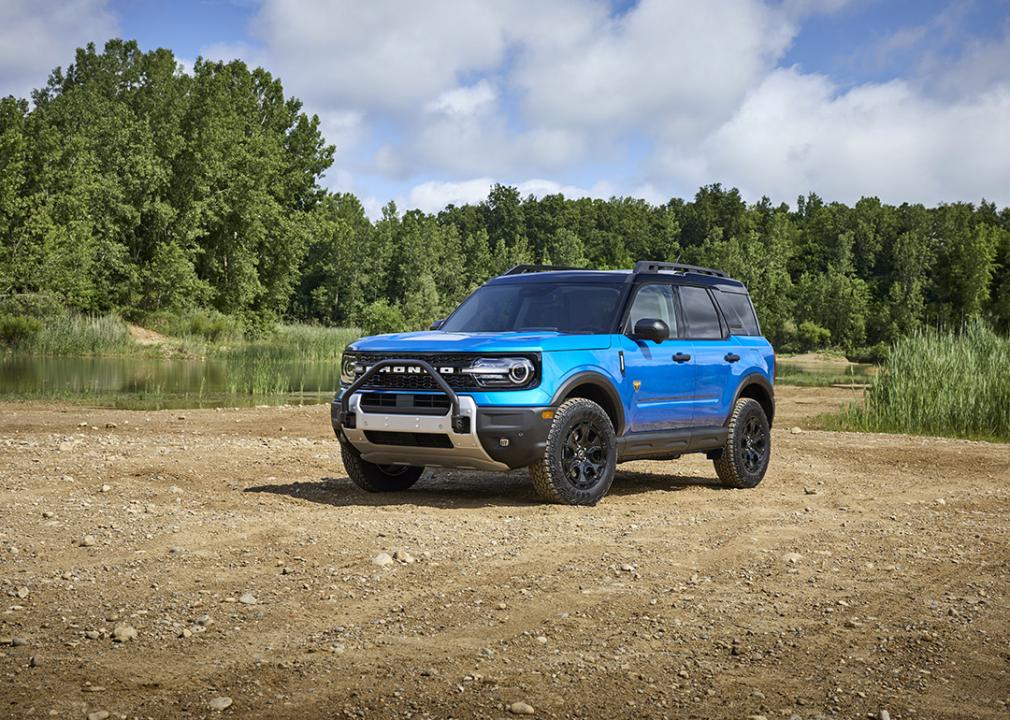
column 494, row 438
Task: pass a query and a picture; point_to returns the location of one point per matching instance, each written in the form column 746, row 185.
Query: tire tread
column 370, row 478
column 543, row 472
column 727, row 466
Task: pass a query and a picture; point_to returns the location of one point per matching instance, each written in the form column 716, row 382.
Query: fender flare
column 756, row 378
column 597, row 380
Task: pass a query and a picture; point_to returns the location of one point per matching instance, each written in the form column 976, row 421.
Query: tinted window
column 514, row 307
column 700, row 313
column 654, row 302
column 739, row 313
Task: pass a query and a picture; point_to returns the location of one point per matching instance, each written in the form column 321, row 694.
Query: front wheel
column 377, row 478
column 744, row 458
column 581, row 455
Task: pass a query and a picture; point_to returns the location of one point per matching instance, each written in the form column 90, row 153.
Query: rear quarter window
column 739, row 313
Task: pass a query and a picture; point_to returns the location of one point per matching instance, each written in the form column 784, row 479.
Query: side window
column 700, row 314
column 654, row 302
column 739, row 313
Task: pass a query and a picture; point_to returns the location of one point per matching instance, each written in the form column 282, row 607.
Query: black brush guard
column 459, row 423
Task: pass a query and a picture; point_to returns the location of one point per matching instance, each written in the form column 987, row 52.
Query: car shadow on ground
column 632, row 483
column 457, row 490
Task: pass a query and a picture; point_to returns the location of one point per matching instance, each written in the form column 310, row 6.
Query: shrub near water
column 272, row 365
column 65, row 334
column 941, row 383
column 302, row 343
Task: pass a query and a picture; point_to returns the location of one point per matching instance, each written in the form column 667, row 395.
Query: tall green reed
column 937, row 382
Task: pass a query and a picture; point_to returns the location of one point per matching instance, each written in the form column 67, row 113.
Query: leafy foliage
column 133, row 187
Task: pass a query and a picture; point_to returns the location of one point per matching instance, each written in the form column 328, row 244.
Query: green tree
column 565, row 249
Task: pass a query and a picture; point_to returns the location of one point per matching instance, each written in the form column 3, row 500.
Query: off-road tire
column 377, row 478
column 548, row 474
column 742, row 464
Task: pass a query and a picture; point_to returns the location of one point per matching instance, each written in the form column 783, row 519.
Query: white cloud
column 434, row 196
column 380, row 54
column 430, row 94
column 672, row 64
column 38, row 35
column 341, row 128
column 982, row 66
column 797, row 133
column 466, row 100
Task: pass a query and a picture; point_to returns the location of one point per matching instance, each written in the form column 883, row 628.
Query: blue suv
column 567, row 372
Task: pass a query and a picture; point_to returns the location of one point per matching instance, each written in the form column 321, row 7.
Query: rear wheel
column 744, row 458
column 377, row 478
column 581, row 455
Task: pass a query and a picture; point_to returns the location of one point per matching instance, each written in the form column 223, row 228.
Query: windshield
column 516, row 307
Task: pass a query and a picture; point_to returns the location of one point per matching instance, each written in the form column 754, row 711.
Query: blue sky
column 431, row 102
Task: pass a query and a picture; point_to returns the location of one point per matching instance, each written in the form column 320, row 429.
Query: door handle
column 731, row 357
column 681, row 358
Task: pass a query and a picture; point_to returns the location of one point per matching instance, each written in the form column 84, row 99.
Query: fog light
column 503, row 442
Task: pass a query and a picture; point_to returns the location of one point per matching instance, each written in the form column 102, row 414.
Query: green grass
column 71, row 334
column 305, row 343
column 953, row 384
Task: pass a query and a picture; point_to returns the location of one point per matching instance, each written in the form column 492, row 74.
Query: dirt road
column 867, row 573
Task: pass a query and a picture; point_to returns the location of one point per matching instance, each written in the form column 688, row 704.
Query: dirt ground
column 868, row 573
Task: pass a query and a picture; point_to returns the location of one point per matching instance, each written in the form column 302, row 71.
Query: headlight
column 349, row 368
column 501, row 372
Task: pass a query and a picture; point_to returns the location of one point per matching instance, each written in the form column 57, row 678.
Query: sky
column 430, row 102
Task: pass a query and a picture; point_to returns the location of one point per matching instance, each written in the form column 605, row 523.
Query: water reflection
column 164, row 382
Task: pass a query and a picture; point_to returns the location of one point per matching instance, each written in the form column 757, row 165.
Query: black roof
column 644, row 270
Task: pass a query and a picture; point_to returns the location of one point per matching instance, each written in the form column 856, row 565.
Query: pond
column 821, row 373
column 154, row 383
column 247, row 379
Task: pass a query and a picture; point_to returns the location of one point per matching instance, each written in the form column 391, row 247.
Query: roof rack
column 653, row 266
column 523, row 269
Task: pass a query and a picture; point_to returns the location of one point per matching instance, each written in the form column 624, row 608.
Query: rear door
column 709, row 346
column 661, row 375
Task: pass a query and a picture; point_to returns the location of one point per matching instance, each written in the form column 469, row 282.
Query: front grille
column 408, row 439
column 420, row 381
column 407, row 403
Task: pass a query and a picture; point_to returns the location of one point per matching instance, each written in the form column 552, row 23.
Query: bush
column 381, row 317
column 806, row 337
column 207, row 325
column 16, row 330
column 32, row 305
column 811, row 336
column 873, row 354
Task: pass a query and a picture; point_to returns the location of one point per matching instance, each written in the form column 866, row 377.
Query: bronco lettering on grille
column 412, row 370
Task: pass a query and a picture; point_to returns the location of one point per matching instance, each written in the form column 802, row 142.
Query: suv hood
column 436, row 341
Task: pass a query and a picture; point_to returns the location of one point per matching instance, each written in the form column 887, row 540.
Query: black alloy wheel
column 584, row 456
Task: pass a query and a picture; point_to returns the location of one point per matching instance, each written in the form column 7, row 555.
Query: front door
column 661, row 375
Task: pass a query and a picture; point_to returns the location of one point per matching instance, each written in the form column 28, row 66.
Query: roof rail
column 523, row 269
column 653, row 266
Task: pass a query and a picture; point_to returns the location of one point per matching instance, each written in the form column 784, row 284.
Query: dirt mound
column 816, row 357
column 145, row 336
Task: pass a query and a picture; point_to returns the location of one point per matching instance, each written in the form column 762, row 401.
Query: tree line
column 128, row 185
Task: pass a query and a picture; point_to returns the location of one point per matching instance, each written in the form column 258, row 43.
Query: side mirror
column 651, row 329
column 437, row 324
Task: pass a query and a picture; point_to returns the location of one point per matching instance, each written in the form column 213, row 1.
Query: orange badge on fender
column 637, row 384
